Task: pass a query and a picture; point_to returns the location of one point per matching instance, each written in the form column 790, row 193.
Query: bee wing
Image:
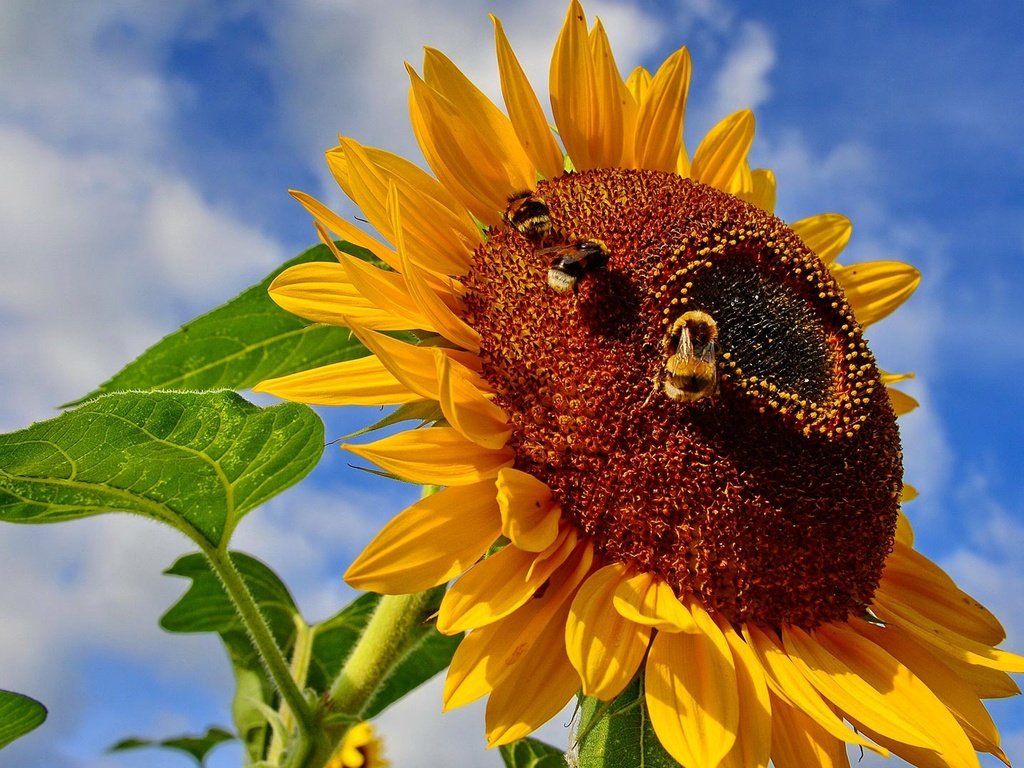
column 709, row 353
column 684, row 348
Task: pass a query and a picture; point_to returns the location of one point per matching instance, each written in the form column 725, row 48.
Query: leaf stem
column 266, row 646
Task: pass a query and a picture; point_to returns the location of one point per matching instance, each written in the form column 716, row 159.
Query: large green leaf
column 205, row 607
column 18, row 715
column 196, row 461
column 197, row 747
column 240, row 343
column 619, row 734
column 530, row 753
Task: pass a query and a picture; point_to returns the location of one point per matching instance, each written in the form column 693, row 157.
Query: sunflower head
column 703, row 405
column 656, row 398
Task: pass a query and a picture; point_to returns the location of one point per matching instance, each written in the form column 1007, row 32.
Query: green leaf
column 196, row 461
column 205, row 607
column 427, row 652
column 619, row 734
column 196, row 746
column 530, row 753
column 240, row 343
column 19, row 714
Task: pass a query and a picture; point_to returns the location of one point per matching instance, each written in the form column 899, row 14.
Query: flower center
column 689, row 380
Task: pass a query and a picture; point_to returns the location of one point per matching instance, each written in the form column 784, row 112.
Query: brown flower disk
column 773, row 498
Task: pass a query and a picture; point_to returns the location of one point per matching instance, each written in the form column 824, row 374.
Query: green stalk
column 383, row 642
column 302, row 654
column 268, row 650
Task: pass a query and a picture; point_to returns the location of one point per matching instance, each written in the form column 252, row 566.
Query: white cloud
column 339, row 66
column 86, row 589
column 103, row 255
column 743, row 80
column 418, row 735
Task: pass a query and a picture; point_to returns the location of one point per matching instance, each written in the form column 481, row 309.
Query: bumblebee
column 528, row 215
column 691, row 371
column 572, row 261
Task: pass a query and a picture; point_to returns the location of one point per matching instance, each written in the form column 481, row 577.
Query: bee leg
column 656, row 381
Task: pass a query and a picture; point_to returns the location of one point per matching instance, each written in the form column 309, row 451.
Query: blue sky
column 147, row 148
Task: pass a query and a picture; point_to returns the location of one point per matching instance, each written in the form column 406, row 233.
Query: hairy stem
column 383, row 642
column 268, row 650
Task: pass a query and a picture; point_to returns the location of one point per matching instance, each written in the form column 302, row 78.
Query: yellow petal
column 916, row 756
column 638, row 82
column 826, row 234
column 363, row 381
column 659, row 126
column 472, row 146
column 468, row 679
column 754, row 734
column 524, row 109
column 742, row 182
column 385, row 289
column 605, row 648
column 986, row 683
column 496, row 587
column 529, row 518
column 574, row 92
column 902, row 403
column 762, row 190
column 489, row 654
column 866, row 684
column 397, row 167
column 321, row 292
column 799, row 742
column 691, row 693
column 647, row 599
column 953, row 692
column 431, row 231
column 895, row 378
column 433, row 456
column 790, row 685
column 904, row 533
column 609, row 92
column 413, row 366
column 537, row 690
column 466, row 408
column 891, row 610
column 332, row 222
column 429, row 543
column 724, row 150
column 876, row 288
column 430, row 305
column 913, row 579
column 683, row 162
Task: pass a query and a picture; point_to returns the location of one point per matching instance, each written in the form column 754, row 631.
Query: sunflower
column 360, row 748
column 663, row 446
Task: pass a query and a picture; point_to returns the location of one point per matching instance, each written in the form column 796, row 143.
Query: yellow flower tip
column 360, row 748
column 648, row 600
column 605, row 648
column 529, row 518
column 723, row 152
